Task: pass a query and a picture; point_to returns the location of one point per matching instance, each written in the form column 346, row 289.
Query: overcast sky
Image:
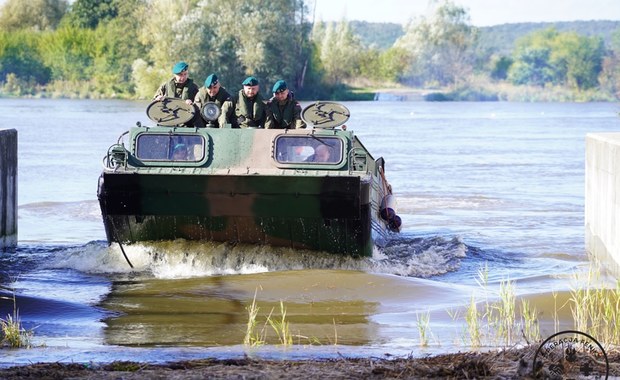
column 482, row 12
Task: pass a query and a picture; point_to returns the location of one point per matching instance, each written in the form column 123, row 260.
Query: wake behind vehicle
column 317, row 188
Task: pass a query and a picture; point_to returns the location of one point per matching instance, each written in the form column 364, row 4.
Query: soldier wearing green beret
column 250, row 110
column 283, row 111
column 180, row 87
column 213, row 91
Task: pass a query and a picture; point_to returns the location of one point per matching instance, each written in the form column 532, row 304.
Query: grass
column 529, row 322
column 281, row 326
column 505, row 312
column 335, row 333
column 473, row 320
column 252, row 336
column 502, row 327
column 596, row 308
column 12, row 334
column 494, row 318
column 423, row 321
column 256, row 334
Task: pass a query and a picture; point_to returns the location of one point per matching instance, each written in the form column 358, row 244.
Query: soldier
column 213, row 91
column 284, row 111
column 322, row 153
column 250, row 110
column 179, row 153
column 181, row 87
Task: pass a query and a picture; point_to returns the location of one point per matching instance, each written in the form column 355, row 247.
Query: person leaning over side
column 213, row 91
column 283, row 111
column 251, row 110
column 180, row 87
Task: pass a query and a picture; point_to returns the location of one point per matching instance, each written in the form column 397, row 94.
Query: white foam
column 404, row 256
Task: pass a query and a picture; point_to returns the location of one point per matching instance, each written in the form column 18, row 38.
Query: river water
column 479, row 185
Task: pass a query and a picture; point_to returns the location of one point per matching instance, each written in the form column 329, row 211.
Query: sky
column 482, row 12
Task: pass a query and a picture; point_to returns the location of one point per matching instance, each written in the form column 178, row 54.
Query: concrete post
column 602, row 198
column 8, row 189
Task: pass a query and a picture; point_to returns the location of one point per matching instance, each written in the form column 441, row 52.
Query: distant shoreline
column 400, row 94
column 475, row 92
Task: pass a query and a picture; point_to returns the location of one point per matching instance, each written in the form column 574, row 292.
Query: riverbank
column 484, row 92
column 477, row 90
column 508, row 364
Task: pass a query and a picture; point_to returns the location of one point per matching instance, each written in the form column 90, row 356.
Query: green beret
column 211, row 81
column 250, row 81
column 279, row 86
column 179, row 67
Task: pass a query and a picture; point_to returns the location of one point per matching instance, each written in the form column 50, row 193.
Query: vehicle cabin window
column 170, row 147
column 309, row 149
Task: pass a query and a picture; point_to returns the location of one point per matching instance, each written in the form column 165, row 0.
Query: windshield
column 309, row 149
column 170, row 147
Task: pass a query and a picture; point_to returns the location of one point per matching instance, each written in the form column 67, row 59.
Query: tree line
column 126, row 48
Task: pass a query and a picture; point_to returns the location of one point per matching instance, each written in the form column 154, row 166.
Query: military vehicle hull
column 246, row 185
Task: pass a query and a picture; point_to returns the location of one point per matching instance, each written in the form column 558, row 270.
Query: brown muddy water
column 479, row 185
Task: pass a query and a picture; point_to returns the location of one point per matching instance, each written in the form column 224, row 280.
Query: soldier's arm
column 226, row 113
column 192, row 91
column 161, row 92
column 298, row 122
column 270, row 121
column 198, row 100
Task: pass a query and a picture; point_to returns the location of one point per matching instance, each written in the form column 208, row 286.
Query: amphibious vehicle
column 317, row 188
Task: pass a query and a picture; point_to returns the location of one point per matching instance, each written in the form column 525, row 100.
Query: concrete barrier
column 8, row 189
column 602, row 198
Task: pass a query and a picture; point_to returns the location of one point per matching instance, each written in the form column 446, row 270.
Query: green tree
column 557, row 58
column 168, row 36
column 116, row 50
column 393, row 64
column 384, row 66
column 69, row 53
column 19, row 55
column 609, row 78
column 38, row 15
column 441, row 47
column 500, row 66
column 340, row 51
column 267, row 39
column 89, row 13
column 584, row 58
column 531, row 66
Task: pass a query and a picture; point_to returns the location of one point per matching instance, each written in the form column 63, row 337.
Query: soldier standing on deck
column 283, row 111
column 213, row 91
column 251, row 111
column 181, row 87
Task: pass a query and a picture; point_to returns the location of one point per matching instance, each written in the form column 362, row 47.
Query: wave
column 47, row 310
column 76, row 210
column 403, row 256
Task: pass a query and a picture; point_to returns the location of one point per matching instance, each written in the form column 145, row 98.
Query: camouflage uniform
column 185, row 90
column 171, row 89
column 250, row 112
column 224, row 101
column 284, row 115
